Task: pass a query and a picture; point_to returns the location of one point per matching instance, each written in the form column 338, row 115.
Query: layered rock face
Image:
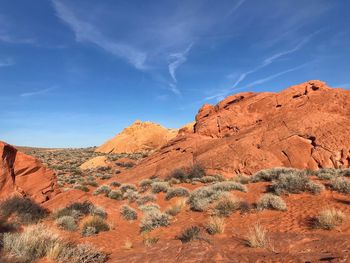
column 304, row 126
column 23, row 174
column 139, row 137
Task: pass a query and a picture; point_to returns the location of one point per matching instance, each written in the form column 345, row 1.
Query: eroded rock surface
column 304, row 126
column 25, row 175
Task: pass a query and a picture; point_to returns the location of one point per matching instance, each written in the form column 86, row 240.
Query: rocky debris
column 304, row 126
column 139, row 137
column 25, row 175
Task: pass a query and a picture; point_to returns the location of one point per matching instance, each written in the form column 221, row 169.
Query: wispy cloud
column 235, row 7
column 268, row 61
column 86, row 32
column 177, row 60
column 7, row 62
column 266, row 79
column 37, row 92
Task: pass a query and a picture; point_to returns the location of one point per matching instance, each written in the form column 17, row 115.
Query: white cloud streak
column 235, row 7
column 178, row 59
column 86, row 32
column 268, row 61
column 37, row 92
column 7, row 62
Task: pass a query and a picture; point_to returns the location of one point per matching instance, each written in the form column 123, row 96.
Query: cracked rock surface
column 303, row 126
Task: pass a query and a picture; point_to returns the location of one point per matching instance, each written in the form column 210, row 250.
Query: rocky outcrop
column 304, row 126
column 96, row 162
column 139, row 137
column 25, row 175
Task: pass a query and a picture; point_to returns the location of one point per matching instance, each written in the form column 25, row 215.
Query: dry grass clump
column 329, row 219
column 154, row 219
column 128, row 213
column 270, row 201
column 226, row 206
column 341, row 185
column 116, row 195
column 211, row 179
column 103, row 189
column 215, row 225
column 189, row 234
column 145, row 184
column 242, row 179
column 177, row 192
column 228, row 186
column 94, row 225
column 146, row 199
column 67, row 223
column 158, row 187
column 187, row 175
column 149, row 208
column 269, row 175
column 294, row 183
column 257, row 237
column 131, row 195
column 74, row 210
column 98, row 211
column 149, row 240
column 200, row 198
column 125, row 187
column 25, row 210
column 80, row 187
column 37, row 241
column 176, row 208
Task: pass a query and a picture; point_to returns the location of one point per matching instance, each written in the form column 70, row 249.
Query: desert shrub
column 327, row 173
column 215, row 225
column 329, row 219
column 128, row 213
column 189, row 234
column 149, row 240
column 94, row 225
column 82, row 253
column 116, row 195
column 257, row 237
column 269, row 175
column 25, row 209
column 67, row 223
column 125, row 187
column 178, row 174
column 75, row 210
column 270, row 201
column 103, row 189
column 158, row 187
column 115, row 184
column 145, row 199
column 145, row 184
column 81, row 187
column 242, row 179
column 91, row 183
column 196, row 171
column 131, row 195
column 154, row 219
column 176, row 208
column 228, row 186
column 295, row 183
column 226, row 206
column 149, row 208
column 245, row 207
column 200, row 198
column 98, row 211
column 208, row 179
column 177, row 192
column 31, row 244
column 341, row 185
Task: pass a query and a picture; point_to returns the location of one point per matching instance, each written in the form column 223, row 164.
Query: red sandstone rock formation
column 304, row 126
column 23, row 174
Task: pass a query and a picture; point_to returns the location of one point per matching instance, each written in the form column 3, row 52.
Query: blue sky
column 75, row 72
